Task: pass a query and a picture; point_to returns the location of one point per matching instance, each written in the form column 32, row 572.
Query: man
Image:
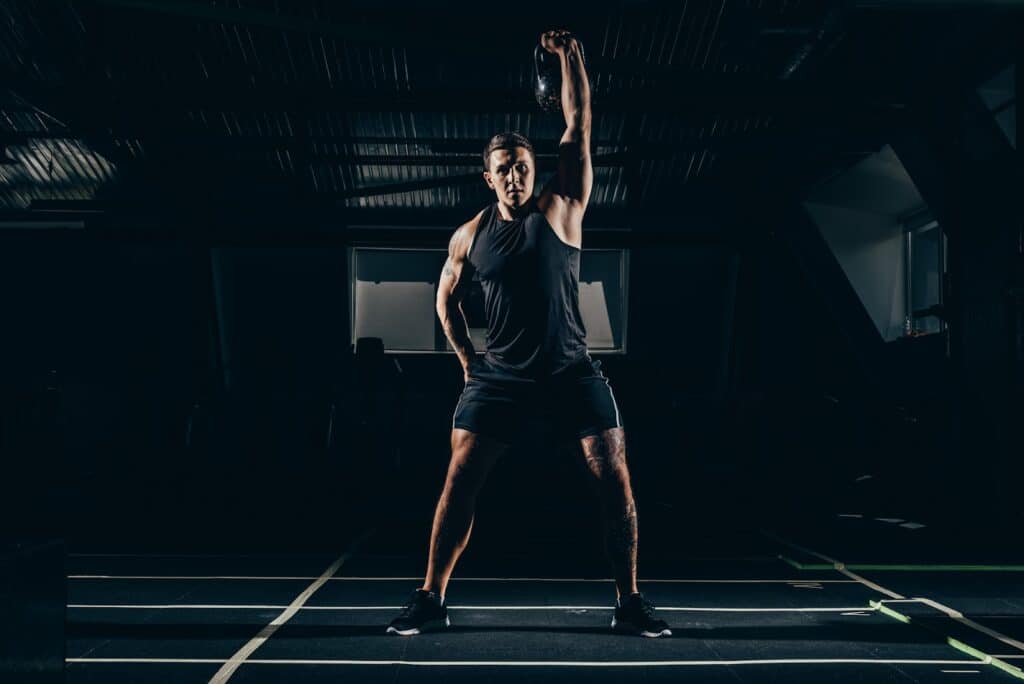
column 526, row 254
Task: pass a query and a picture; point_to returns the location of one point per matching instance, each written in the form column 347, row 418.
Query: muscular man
column 525, row 251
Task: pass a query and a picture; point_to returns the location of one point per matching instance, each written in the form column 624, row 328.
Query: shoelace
column 646, row 607
column 410, row 607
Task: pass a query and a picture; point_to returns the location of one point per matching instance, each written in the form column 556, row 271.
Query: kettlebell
column 547, row 82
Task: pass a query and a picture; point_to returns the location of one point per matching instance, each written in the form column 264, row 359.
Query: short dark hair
column 508, row 140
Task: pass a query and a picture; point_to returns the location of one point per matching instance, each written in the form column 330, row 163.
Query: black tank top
column 530, row 280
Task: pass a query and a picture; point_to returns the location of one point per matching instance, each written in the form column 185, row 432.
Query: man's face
column 511, row 176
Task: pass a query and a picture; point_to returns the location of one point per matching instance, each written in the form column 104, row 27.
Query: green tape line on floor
column 989, row 660
column 985, row 658
column 886, row 610
column 883, row 567
column 937, row 568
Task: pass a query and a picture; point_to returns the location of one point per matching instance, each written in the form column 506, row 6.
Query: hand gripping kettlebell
column 547, row 81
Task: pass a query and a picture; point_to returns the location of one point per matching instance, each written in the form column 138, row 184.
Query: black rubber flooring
column 976, row 573
column 885, row 538
column 748, row 617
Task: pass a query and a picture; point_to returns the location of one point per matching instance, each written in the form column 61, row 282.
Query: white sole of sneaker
column 633, row 629
column 432, row 626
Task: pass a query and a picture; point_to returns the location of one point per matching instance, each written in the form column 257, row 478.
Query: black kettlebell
column 547, row 82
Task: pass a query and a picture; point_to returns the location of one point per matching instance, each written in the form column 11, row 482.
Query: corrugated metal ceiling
column 302, row 89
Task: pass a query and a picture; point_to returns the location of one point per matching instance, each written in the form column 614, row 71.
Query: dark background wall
column 179, row 184
column 177, row 391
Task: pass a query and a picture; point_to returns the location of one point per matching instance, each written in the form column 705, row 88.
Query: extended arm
column 455, row 278
column 575, row 172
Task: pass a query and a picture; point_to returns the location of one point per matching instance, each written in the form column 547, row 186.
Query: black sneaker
column 636, row 616
column 424, row 612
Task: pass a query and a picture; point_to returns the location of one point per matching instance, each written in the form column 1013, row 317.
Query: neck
column 511, row 214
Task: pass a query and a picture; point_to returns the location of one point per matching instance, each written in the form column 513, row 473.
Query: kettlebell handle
column 547, row 82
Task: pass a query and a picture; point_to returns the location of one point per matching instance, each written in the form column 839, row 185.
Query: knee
column 605, row 456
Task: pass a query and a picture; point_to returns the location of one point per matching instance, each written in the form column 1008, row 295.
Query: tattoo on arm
column 457, row 332
column 453, row 321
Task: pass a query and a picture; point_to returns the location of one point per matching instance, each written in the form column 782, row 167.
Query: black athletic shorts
column 578, row 401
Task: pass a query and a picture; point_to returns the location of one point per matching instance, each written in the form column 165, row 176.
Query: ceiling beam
column 720, row 94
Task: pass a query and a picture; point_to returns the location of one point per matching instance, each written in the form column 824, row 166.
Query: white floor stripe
column 415, row 556
column 229, row 667
column 371, row 556
column 268, row 578
column 538, row 663
column 176, row 606
column 165, row 554
column 228, row 606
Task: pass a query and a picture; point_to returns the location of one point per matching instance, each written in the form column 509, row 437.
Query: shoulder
column 462, row 238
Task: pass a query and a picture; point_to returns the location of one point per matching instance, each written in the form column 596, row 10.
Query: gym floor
column 746, row 606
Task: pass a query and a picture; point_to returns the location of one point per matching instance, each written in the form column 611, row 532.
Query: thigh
column 473, row 456
column 583, row 403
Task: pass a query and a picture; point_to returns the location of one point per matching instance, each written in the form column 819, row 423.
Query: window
column 603, row 298
column 885, row 239
column 925, row 253
column 392, row 295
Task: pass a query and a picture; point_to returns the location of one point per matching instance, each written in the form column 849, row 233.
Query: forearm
column 575, row 90
column 453, row 321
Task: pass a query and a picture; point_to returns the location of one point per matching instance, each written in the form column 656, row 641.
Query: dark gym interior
column 221, row 229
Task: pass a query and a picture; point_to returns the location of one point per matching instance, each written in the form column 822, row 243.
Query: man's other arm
column 455, row 278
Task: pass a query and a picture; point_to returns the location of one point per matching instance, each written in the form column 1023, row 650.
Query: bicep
column 455, row 275
column 446, row 284
column 575, row 168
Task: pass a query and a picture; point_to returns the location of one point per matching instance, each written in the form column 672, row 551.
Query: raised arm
column 575, row 172
column 455, row 278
